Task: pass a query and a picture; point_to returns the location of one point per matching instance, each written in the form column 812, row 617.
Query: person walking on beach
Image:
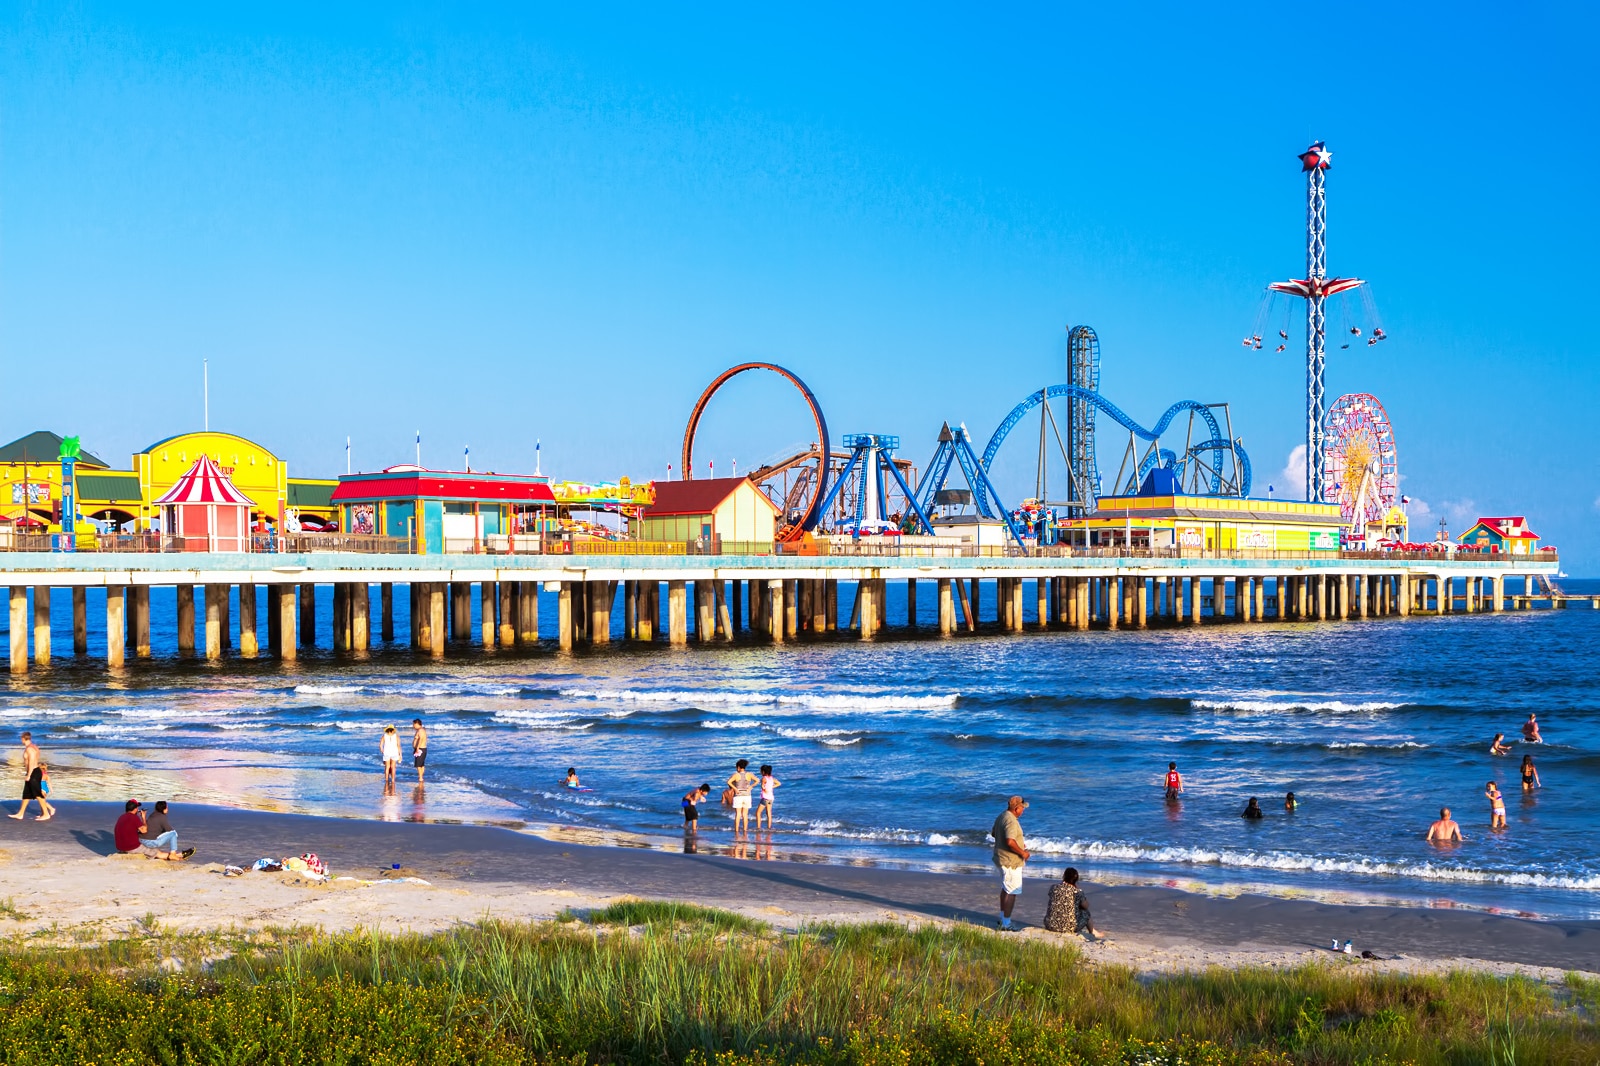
column 1068, row 909
column 741, row 782
column 1497, row 805
column 1445, row 830
column 1010, row 855
column 1530, row 776
column 33, row 781
column 419, row 747
column 1174, row 784
column 1498, row 745
column 691, row 807
column 768, row 783
column 389, row 748
column 1530, row 730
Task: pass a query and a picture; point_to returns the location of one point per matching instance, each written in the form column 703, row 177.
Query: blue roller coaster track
column 1217, row 445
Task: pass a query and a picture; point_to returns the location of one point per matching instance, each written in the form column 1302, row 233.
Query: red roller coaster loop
column 808, row 520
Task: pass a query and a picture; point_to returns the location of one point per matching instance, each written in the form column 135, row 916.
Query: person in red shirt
column 1174, row 782
column 129, row 828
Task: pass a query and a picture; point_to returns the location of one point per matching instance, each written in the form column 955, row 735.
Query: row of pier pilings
column 778, row 609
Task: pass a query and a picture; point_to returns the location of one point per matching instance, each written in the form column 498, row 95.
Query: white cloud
column 1459, row 514
column 1597, row 503
column 1419, row 510
column 1290, row 483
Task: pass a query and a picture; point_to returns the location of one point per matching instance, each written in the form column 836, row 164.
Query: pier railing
column 546, row 543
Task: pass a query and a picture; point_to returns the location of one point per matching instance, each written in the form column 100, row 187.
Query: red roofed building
column 446, row 510
column 1508, row 535
column 711, row 511
column 205, row 511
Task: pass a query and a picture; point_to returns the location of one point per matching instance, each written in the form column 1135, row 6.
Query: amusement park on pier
column 1131, row 521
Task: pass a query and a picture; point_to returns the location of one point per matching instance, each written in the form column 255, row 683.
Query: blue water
column 902, row 751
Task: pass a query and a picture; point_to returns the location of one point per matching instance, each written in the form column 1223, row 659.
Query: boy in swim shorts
column 691, row 807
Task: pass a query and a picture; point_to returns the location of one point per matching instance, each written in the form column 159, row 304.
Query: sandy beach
column 64, row 879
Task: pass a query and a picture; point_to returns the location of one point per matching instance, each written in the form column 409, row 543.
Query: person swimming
column 1252, row 809
column 571, row 781
column 1498, row 745
column 1289, row 802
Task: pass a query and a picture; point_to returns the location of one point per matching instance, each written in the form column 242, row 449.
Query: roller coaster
column 871, row 491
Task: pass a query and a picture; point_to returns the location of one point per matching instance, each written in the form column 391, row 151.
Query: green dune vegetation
column 669, row 983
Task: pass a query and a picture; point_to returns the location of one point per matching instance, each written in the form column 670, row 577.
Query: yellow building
column 127, row 497
column 1210, row 523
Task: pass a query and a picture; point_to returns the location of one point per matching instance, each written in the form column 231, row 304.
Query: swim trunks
column 419, row 759
column 31, row 789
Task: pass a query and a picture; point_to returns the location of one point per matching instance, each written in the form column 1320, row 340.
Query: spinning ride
column 1360, row 468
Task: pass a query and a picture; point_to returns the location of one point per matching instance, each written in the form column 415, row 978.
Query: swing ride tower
column 1315, row 288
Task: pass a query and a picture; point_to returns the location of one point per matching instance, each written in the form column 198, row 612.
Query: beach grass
column 670, row 983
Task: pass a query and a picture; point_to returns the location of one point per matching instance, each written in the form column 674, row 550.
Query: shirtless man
column 32, row 781
column 1445, row 830
column 1530, row 731
column 419, row 747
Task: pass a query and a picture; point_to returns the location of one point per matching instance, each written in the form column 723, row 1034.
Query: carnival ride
column 1314, row 289
column 934, row 496
column 1361, row 471
column 796, row 485
column 1209, row 461
column 871, row 469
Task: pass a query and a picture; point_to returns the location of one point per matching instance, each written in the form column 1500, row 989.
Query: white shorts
column 741, row 803
column 1011, row 880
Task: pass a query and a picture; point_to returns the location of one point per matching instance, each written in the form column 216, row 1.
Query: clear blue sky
column 496, row 225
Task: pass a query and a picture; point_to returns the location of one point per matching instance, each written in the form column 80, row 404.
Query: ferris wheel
column 1360, row 473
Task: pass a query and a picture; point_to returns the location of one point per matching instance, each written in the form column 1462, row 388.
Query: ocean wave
column 423, row 690
column 1374, row 745
column 1293, row 862
column 816, row 701
column 111, row 729
column 737, row 723
column 1244, row 706
column 833, row 738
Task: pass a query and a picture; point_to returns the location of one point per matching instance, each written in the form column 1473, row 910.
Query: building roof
column 42, row 446
column 306, row 492
column 1211, row 509
column 413, row 484
column 110, row 487
column 1512, row 527
column 700, row 496
column 204, row 482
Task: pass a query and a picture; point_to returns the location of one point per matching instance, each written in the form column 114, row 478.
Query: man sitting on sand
column 1445, row 830
column 132, row 827
column 1068, row 910
column 160, row 836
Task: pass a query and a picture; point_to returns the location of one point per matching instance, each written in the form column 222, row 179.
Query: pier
column 252, row 605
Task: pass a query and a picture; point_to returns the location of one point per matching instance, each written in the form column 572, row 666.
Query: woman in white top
column 389, row 747
column 768, row 783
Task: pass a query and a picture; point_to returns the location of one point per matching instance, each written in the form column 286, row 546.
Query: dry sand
column 62, row 876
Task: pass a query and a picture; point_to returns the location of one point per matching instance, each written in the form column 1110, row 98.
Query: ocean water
column 903, row 751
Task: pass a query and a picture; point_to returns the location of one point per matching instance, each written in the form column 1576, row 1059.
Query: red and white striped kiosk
column 205, row 512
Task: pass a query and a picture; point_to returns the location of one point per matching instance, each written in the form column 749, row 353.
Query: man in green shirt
column 1011, row 855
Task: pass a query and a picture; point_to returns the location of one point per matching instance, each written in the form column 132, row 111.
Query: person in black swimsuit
column 1530, row 776
column 1252, row 809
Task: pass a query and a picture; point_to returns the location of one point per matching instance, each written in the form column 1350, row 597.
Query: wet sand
column 63, row 872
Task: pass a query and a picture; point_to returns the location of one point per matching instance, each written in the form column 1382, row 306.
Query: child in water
column 1289, row 802
column 1497, row 806
column 768, row 783
column 1252, row 809
column 1174, row 782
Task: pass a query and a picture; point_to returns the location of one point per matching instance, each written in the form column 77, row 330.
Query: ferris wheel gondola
column 1361, row 469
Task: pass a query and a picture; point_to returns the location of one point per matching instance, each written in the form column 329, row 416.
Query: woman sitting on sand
column 1068, row 910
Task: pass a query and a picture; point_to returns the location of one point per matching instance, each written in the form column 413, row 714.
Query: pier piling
column 116, row 624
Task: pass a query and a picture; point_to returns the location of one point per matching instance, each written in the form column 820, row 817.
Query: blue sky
column 519, row 223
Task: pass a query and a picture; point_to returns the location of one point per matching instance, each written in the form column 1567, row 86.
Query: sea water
column 902, row 751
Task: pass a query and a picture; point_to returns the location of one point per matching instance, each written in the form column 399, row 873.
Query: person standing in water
column 1498, row 745
column 1497, row 805
column 1530, row 776
column 419, row 747
column 1445, row 830
column 768, row 783
column 741, row 782
column 1530, row 730
column 389, row 748
column 1290, row 803
column 1252, row 809
column 1174, row 784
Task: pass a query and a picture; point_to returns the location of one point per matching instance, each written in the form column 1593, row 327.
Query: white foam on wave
column 426, row 690
column 943, row 839
column 1294, row 862
column 833, row 738
column 1376, row 745
column 117, row 730
column 817, row 701
column 1244, row 706
column 736, row 723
